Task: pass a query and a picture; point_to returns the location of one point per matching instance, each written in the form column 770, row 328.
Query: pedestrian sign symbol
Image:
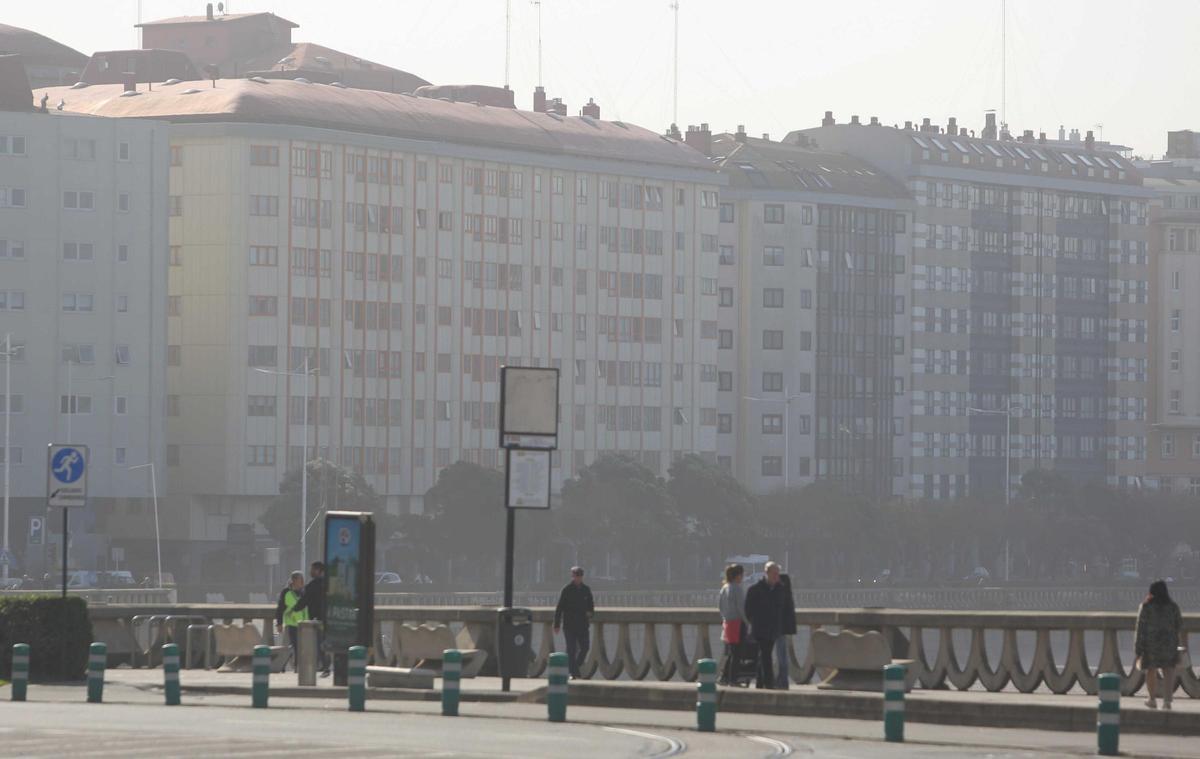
column 66, row 475
column 5, row 558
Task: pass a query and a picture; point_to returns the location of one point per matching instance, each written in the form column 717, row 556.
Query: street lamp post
column 157, row 534
column 303, row 458
column 1007, row 414
column 786, row 400
column 8, row 354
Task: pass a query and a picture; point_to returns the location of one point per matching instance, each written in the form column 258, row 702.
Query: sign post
column 350, row 585
column 66, row 488
column 528, row 433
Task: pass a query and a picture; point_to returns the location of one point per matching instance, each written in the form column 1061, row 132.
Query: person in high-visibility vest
column 286, row 615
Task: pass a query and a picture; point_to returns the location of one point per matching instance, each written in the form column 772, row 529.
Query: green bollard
column 170, row 656
column 260, row 685
column 556, row 689
column 20, row 670
column 1108, row 719
column 356, row 678
column 451, row 673
column 97, row 659
column 706, row 696
column 893, row 702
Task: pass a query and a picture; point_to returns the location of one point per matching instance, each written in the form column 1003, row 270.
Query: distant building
column 145, row 66
column 260, row 44
column 812, row 318
column 47, row 63
column 83, row 295
column 1030, row 295
column 404, row 248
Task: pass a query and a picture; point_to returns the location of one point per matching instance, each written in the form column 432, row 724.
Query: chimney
column 591, row 109
column 962, row 131
column 558, row 106
column 1062, row 134
column 130, row 80
column 740, row 134
column 854, row 121
column 1027, row 135
column 874, row 121
column 828, row 120
column 1074, row 135
column 1090, row 141
column 908, row 126
column 1041, row 138
column 989, row 126
column 700, row 138
column 539, row 99
column 951, row 126
column 673, row 132
column 208, row 12
column 926, row 125
column 766, row 137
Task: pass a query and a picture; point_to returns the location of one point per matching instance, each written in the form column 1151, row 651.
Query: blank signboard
column 528, row 407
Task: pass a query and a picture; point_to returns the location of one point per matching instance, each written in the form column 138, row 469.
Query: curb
column 338, row 692
column 869, row 706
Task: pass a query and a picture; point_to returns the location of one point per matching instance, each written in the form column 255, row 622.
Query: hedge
column 57, row 630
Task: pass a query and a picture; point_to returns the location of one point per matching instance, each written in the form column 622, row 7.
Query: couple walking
column 299, row 602
column 763, row 617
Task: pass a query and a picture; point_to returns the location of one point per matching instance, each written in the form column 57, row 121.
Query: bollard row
column 451, row 674
column 261, row 682
column 97, row 660
column 1108, row 716
column 556, row 688
column 20, row 671
column 356, row 679
column 706, row 696
column 893, row 702
column 170, row 658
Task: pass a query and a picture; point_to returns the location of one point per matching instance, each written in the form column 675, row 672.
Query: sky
column 771, row 65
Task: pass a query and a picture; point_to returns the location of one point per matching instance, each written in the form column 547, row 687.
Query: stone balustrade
column 1057, row 652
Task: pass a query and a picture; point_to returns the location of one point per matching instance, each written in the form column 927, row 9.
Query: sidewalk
column 1070, row 713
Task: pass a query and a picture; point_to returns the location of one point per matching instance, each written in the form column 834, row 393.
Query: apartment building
column 1029, row 300
column 403, row 249
column 83, row 297
column 812, row 318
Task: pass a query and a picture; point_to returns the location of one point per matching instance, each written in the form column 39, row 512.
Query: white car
column 388, row 578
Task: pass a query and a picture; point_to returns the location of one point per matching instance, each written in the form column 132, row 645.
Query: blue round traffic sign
column 67, row 465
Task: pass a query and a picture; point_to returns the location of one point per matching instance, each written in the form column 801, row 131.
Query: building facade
column 403, row 255
column 82, row 297
column 812, row 317
column 1029, row 301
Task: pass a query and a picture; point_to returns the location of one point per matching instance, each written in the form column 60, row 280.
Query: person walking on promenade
column 732, row 604
column 573, row 615
column 764, row 609
column 787, row 628
column 313, row 601
column 286, row 615
column 1157, row 641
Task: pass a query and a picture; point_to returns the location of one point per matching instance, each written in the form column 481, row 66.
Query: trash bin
column 514, row 647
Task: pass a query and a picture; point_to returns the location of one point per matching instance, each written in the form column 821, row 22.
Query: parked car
column 383, row 579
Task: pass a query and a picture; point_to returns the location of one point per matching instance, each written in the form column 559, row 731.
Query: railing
column 998, row 651
column 104, row 595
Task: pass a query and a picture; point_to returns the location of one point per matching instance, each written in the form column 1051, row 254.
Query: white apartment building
column 407, row 248
column 83, row 238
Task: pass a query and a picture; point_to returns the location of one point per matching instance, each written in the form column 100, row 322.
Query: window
column 260, row 455
column 772, row 339
column 445, row 173
column 120, row 405
column 445, row 221
column 772, row 256
column 264, row 205
column 79, row 200
column 263, row 305
column 263, row 405
column 1174, row 402
column 726, row 294
column 772, row 424
column 18, row 404
column 1196, row 445
column 1167, row 445
column 806, row 299
column 773, row 297
column 118, row 456
column 122, row 355
column 556, row 185
column 75, row 404
column 725, row 381
column 78, row 302
column 725, row 423
column 262, row 356
column 14, row 249
column 175, row 205
column 727, row 212
column 78, row 251
column 172, row 454
column 12, row 197
column 772, row 466
column 1176, row 280
column 1175, row 361
column 174, row 355
column 122, row 254
column 262, row 155
column 123, row 202
column 12, row 300
column 264, row 255
column 122, row 304
column 18, row 455
column 1176, row 318
column 805, row 340
column 725, row 339
column 12, row 145
column 772, row 382
column 773, row 213
column 708, row 199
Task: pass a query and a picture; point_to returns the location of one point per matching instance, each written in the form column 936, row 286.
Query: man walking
column 787, row 628
column 764, row 609
column 286, row 616
column 313, row 601
column 573, row 616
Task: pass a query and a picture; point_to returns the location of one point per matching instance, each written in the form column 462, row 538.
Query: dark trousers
column 578, row 643
column 766, row 673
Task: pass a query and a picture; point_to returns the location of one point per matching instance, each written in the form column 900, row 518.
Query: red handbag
column 731, row 631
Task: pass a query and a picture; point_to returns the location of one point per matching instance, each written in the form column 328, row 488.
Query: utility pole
column 538, row 3
column 507, row 37
column 8, row 353
column 1003, row 63
column 675, row 96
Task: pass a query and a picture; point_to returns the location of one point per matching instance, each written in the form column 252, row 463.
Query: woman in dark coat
column 1156, row 641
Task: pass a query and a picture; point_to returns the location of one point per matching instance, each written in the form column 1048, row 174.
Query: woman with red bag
column 733, row 618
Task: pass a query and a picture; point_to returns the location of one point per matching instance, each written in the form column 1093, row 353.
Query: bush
column 57, row 630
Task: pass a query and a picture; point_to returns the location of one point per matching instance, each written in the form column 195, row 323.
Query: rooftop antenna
column 1004, row 63
column 507, row 37
column 675, row 95
column 538, row 3
column 139, row 24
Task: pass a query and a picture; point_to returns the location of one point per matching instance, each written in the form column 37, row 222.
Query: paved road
column 133, row 722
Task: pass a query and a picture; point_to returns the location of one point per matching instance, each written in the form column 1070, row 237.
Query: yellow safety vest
column 292, row 618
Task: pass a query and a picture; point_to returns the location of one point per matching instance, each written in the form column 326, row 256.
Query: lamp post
column 1007, row 414
column 157, row 534
column 786, row 400
column 8, row 354
column 303, row 458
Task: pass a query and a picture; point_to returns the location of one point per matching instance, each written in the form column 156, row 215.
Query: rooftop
column 280, row 101
column 760, row 163
column 37, row 49
column 216, row 19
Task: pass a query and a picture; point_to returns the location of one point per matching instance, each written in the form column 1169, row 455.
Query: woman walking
column 1156, row 642
column 732, row 604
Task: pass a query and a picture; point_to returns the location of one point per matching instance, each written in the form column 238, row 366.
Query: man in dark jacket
column 787, row 627
column 314, row 601
column 573, row 616
column 764, row 609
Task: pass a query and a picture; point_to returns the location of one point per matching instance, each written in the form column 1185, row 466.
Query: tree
column 718, row 513
column 330, row 487
column 617, row 506
column 464, row 517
